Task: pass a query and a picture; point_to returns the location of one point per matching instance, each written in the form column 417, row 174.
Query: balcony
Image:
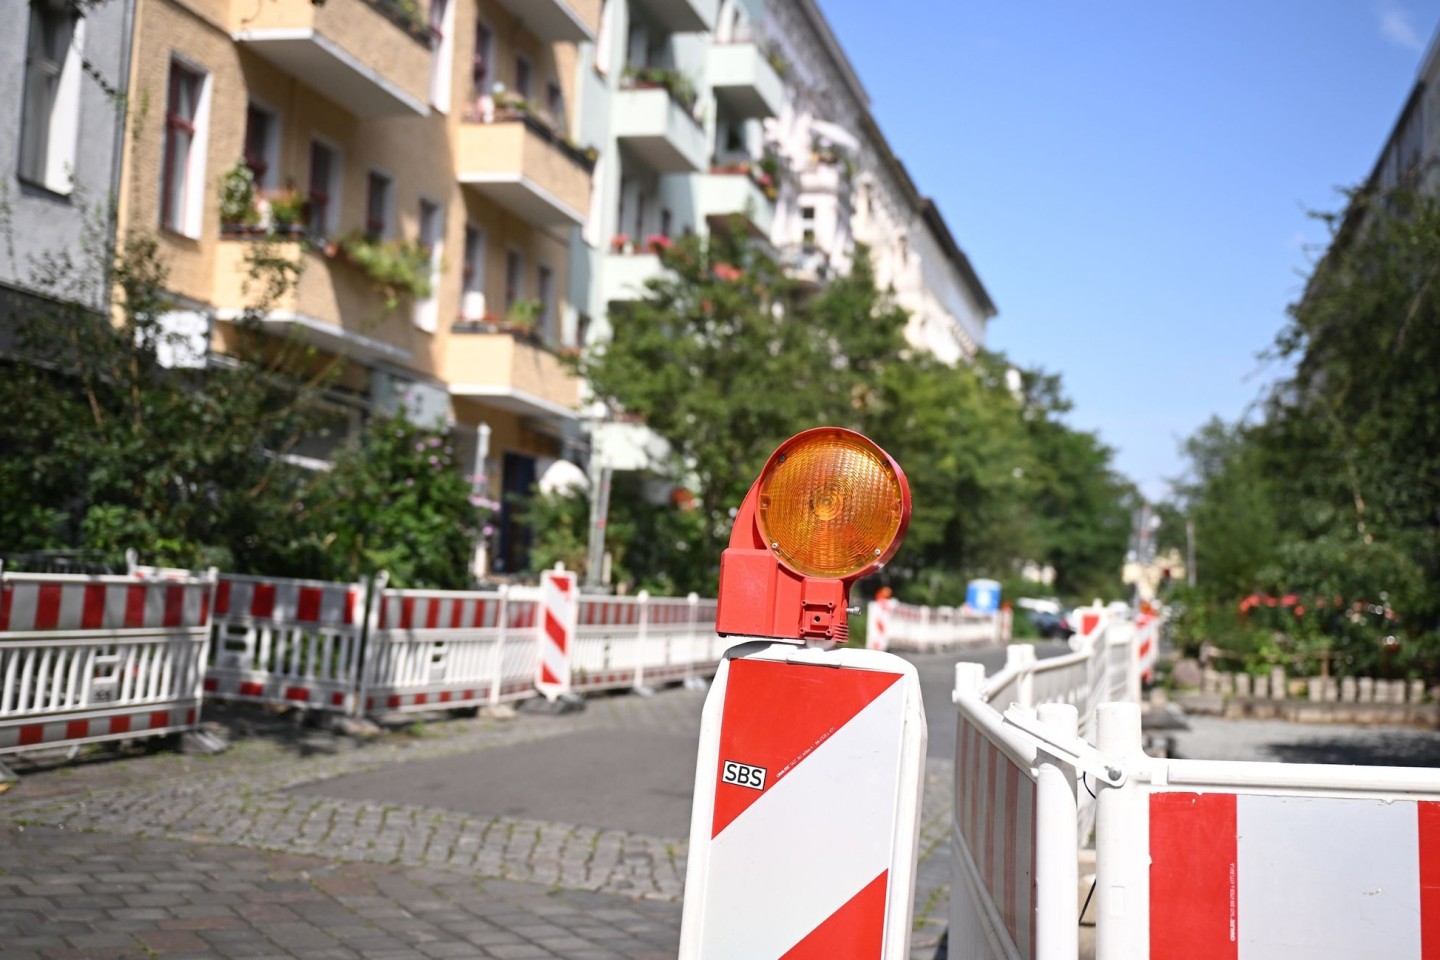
column 723, row 195
column 683, row 16
column 625, row 275
column 520, row 163
column 332, row 305
column 509, row 370
column 558, row 21
column 744, row 81
column 369, row 56
column 659, row 131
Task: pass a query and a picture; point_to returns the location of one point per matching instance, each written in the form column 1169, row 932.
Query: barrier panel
column 1215, row 860
column 429, row 649
column 87, row 659
column 282, row 641
column 1013, row 833
column 287, row 642
column 892, row 625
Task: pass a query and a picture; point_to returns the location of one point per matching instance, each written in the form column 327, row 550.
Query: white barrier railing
column 627, row 642
column 445, row 649
column 892, row 625
column 86, row 659
column 1232, row 859
column 1013, row 832
column 282, row 641
column 287, row 641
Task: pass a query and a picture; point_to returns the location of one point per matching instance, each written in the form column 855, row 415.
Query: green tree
column 394, row 502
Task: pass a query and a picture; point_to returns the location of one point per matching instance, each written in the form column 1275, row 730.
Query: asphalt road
column 639, row 780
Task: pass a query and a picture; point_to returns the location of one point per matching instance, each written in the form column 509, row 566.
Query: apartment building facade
column 417, row 162
column 848, row 187
column 60, row 70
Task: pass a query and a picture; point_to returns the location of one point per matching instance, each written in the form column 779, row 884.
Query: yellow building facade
column 433, row 133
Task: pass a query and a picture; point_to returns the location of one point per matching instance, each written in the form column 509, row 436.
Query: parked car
column 1050, row 626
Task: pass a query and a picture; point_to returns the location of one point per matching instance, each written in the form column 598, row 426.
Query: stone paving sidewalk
column 166, row 855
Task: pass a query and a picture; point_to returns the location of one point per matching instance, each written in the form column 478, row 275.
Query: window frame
column 180, row 204
column 387, row 203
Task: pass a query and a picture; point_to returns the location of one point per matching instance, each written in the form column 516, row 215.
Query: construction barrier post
column 1122, row 818
column 1057, row 869
column 559, row 597
column 807, row 806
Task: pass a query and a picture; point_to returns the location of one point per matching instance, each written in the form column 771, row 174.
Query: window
column 545, row 293
column 480, row 62
column 472, row 285
column 555, row 103
column 51, row 122
column 522, row 78
column 443, row 45
column 377, row 206
column 262, row 140
column 666, row 222
column 807, row 226
column 514, row 273
column 324, row 178
column 184, row 157
column 427, row 311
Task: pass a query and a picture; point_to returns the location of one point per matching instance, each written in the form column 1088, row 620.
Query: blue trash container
column 983, row 596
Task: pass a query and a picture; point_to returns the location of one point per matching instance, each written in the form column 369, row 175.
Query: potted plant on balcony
column 523, row 316
column 620, row 243
column 238, row 214
column 396, row 267
column 657, row 243
column 287, row 213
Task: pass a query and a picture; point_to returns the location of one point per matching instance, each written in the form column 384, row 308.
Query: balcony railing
column 519, row 160
column 659, row 127
column 745, row 80
column 508, row 367
column 372, row 57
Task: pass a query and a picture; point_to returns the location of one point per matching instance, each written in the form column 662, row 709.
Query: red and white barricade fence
column 445, row 649
column 283, row 641
column 892, row 625
column 87, row 659
column 1014, row 831
column 631, row 642
column 1238, row 861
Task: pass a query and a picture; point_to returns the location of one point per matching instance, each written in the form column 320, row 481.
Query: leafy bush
column 395, row 502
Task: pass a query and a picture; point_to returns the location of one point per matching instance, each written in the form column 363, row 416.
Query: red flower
column 727, row 272
column 657, row 242
column 619, row 242
column 1299, row 610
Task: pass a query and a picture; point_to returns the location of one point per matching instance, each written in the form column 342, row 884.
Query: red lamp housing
column 829, row 507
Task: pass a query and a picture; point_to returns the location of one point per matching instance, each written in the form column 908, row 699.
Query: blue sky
column 1131, row 179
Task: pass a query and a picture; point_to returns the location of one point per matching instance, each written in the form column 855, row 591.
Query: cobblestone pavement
column 163, row 854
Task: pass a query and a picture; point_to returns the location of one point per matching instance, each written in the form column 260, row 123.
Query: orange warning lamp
column 829, row 508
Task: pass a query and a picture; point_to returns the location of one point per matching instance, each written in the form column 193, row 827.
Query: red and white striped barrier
column 282, row 641
column 1216, row 860
column 445, row 649
column 287, row 642
column 807, row 794
column 560, row 605
column 877, row 624
column 85, row 659
column 892, row 625
column 1014, row 835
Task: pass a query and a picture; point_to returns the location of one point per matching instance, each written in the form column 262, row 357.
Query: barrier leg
column 1122, row 842
column 1057, row 865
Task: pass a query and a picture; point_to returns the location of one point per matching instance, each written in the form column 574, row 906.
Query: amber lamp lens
column 830, row 504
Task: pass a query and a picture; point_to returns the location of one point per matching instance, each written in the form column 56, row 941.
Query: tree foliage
column 1333, row 495
column 119, row 438
column 724, row 359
